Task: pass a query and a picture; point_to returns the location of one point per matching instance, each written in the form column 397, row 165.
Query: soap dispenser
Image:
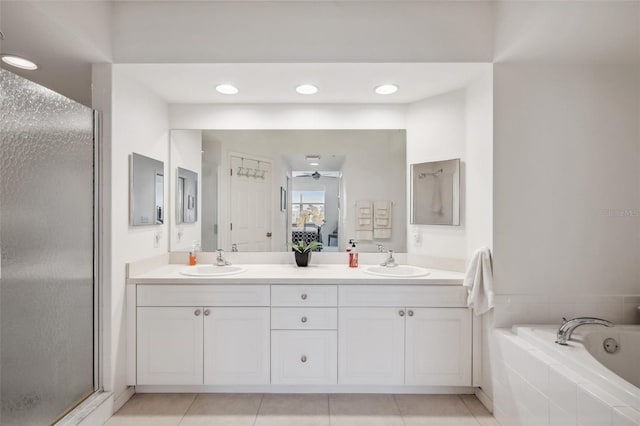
column 353, row 255
column 192, row 254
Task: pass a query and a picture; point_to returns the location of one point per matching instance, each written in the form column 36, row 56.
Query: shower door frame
column 97, row 253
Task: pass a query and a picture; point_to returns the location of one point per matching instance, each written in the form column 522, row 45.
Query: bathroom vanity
column 276, row 327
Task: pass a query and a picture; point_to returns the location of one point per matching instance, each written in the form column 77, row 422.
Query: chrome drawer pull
column 303, row 296
column 304, row 358
column 303, row 319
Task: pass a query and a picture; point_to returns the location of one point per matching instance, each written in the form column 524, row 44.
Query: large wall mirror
column 257, row 190
column 146, row 192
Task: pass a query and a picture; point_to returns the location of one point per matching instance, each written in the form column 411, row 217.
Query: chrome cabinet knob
column 303, row 319
column 410, row 313
column 197, row 312
column 401, row 313
column 303, row 296
column 207, row 312
column 303, row 358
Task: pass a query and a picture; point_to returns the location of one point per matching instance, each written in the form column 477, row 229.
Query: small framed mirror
column 186, row 196
column 435, row 193
column 146, row 191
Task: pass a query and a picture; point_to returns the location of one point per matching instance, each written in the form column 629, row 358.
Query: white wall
column 303, row 31
column 186, row 152
column 287, row 116
column 139, row 123
column 478, row 168
column 566, row 169
column 566, row 179
column 365, row 177
column 436, row 131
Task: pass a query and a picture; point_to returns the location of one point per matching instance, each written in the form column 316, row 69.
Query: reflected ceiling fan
column 315, row 175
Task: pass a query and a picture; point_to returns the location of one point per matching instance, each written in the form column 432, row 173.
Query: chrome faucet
column 234, row 247
column 390, row 261
column 220, row 260
column 380, row 248
column 566, row 329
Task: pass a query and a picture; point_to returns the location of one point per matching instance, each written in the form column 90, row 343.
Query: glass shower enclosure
column 48, row 345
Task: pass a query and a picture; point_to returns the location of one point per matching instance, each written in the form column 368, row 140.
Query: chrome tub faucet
column 567, row 328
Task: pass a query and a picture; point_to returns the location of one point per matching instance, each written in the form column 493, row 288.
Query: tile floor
column 302, row 410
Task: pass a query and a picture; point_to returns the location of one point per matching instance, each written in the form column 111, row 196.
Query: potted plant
column 303, row 251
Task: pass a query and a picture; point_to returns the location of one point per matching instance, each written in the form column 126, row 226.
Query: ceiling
column 276, row 82
column 331, row 162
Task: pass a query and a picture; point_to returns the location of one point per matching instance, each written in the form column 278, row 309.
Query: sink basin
column 211, row 270
column 404, row 271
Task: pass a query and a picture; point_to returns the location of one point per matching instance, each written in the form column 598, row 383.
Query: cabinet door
column 169, row 346
column 236, row 346
column 371, row 346
column 438, row 347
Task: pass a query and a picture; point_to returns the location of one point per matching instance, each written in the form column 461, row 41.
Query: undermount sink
column 404, row 271
column 211, row 270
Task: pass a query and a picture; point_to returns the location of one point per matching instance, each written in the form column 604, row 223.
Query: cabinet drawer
column 304, row 318
column 304, row 357
column 203, row 295
column 403, row 295
column 304, row 295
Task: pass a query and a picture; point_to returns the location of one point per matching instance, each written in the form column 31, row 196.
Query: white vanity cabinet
column 169, row 345
column 236, row 346
column 312, row 337
column 371, row 346
column 225, row 342
column 411, row 335
column 303, row 334
column 438, row 346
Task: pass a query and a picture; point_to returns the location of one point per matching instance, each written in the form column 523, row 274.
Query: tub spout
column 566, row 329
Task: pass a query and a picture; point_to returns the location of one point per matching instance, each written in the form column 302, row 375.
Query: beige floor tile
column 364, row 410
column 216, row 409
column 435, row 410
column 152, row 410
column 479, row 411
column 293, row 410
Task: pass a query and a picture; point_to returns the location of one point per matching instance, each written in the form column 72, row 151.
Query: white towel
column 479, row 282
column 364, row 235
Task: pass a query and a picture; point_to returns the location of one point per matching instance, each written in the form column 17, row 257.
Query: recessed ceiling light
column 227, row 89
column 386, row 89
column 307, row 89
column 315, row 163
column 18, row 62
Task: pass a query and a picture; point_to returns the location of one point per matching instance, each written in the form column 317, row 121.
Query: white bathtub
column 538, row 382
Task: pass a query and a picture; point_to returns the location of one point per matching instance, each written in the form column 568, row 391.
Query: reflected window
column 307, row 207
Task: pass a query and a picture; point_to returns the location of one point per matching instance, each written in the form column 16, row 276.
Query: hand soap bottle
column 192, row 254
column 353, row 255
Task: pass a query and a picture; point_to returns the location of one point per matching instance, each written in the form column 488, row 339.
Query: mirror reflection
column 262, row 189
column 186, row 196
column 146, row 192
column 435, row 193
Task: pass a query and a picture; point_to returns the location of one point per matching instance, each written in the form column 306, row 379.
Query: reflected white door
column 250, row 204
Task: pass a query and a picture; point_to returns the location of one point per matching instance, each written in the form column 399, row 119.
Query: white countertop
column 291, row 274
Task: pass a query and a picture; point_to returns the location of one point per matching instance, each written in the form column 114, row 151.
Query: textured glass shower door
column 47, row 244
